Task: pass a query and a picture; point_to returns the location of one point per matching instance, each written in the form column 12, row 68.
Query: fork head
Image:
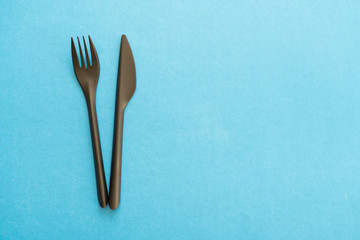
column 86, row 73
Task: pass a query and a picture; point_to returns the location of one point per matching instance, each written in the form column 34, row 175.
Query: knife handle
column 98, row 161
column 115, row 178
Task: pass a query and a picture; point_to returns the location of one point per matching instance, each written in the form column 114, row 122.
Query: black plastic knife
column 126, row 84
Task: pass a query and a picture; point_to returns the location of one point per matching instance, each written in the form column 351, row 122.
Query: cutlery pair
column 87, row 73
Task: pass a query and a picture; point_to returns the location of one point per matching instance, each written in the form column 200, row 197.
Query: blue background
column 244, row 124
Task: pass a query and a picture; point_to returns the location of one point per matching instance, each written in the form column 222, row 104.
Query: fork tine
column 74, row 54
column 81, row 54
column 94, row 57
column 86, row 54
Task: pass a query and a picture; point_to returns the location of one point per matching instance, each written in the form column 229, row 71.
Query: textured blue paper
column 245, row 123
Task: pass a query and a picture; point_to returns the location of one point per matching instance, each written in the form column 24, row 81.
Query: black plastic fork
column 88, row 75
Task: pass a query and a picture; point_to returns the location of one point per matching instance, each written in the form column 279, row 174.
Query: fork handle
column 115, row 178
column 98, row 161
